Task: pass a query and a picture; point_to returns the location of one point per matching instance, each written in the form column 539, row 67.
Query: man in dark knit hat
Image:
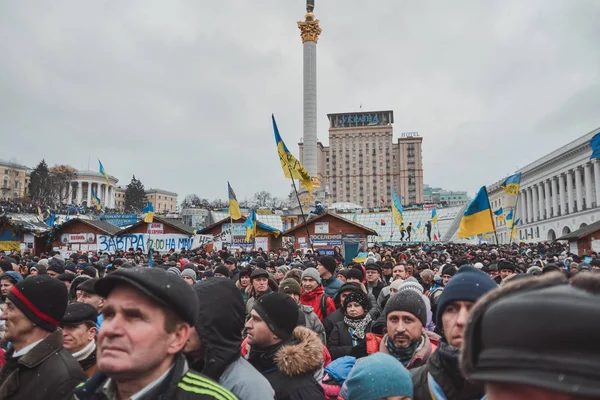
column 326, row 266
column 406, row 338
column 37, row 365
column 535, row 339
column 447, row 273
column 441, row 372
column 259, row 285
column 148, row 316
column 287, row 355
column 79, row 334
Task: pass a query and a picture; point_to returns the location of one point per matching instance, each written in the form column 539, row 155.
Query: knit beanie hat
column 378, row 376
column 357, row 296
column 208, row 274
column 282, row 269
column 328, row 262
column 290, row 286
column 448, row 269
column 312, row 273
column 535, row 270
column 90, row 271
column 223, row 270
column 411, row 284
column 42, row 299
column 59, row 269
column 355, row 273
column 190, row 273
column 409, row 301
column 469, row 284
column 280, row 313
column 174, row 270
column 12, row 276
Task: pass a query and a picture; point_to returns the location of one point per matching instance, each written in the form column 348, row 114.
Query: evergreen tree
column 40, row 184
column 135, row 195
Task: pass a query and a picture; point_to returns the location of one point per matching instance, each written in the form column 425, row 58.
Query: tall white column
column 589, row 190
column 570, row 192
column 579, row 188
column 79, row 192
column 554, row 197
column 597, row 180
column 562, row 194
column 89, row 193
column 534, row 192
column 530, row 217
column 65, row 197
column 540, row 194
column 547, row 198
column 523, row 207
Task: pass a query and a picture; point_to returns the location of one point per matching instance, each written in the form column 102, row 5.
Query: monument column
column 547, row 198
column 579, row 188
column 309, row 32
column 79, row 192
column 588, row 186
column 597, row 180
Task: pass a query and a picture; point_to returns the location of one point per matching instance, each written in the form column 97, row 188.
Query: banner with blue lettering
column 144, row 241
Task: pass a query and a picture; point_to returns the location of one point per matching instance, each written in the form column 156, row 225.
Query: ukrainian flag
column 595, row 145
column 477, row 218
column 434, row 217
column 512, row 184
column 234, row 206
column 96, row 200
column 148, row 213
column 500, row 214
column 419, row 228
column 509, row 216
column 513, row 233
column 250, row 225
column 292, row 168
column 397, row 209
column 103, row 172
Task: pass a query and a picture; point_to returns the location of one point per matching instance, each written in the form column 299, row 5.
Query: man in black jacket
column 441, row 373
column 286, row 355
column 147, row 321
column 37, row 365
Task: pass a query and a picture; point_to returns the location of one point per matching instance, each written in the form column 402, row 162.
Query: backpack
column 324, row 306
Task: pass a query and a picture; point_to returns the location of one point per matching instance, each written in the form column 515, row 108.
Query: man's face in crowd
column 5, row 286
column 446, row 278
column 91, row 299
column 260, row 284
column 403, row 328
column 76, row 337
column 309, row 284
column 343, row 295
column 387, row 271
column 52, row 273
column 259, row 333
column 427, row 279
column 399, row 272
column 244, row 280
column 279, row 275
column 505, row 272
column 410, row 269
column 188, row 279
column 230, row 265
column 134, row 337
column 341, row 277
column 322, row 270
column 372, row 276
column 18, row 326
column 454, row 320
column 271, row 270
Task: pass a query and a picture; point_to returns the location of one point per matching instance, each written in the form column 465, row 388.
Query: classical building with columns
column 559, row 193
column 79, row 190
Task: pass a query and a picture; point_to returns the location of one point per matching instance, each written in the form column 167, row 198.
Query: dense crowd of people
column 442, row 321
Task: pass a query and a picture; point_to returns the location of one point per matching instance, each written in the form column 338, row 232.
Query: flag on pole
column 513, row 230
column 250, row 225
column 96, row 200
column 148, row 213
column 595, row 144
column 509, row 216
column 234, row 206
column 355, row 217
column 103, row 172
column 397, row 210
column 512, row 184
column 292, row 169
column 434, row 217
column 477, row 218
column 500, row 214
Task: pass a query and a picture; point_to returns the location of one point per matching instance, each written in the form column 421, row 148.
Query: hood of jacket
column 312, row 296
column 220, row 324
column 303, row 354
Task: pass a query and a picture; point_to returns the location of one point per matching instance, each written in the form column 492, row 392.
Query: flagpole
column 301, row 210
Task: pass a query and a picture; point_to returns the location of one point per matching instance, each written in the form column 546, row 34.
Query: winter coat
column 313, row 299
column 219, row 326
column 340, row 344
column 180, row 384
column 443, row 367
column 332, row 285
column 46, row 372
column 422, row 353
column 252, row 296
column 375, row 290
column 309, row 319
column 331, row 320
column 290, row 366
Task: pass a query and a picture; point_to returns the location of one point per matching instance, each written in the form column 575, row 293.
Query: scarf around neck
column 402, row 355
column 358, row 325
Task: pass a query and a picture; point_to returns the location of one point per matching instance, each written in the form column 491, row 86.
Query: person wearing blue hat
column 378, row 376
column 441, row 375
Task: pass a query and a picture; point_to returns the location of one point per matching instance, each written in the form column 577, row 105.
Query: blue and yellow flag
column 434, row 217
column 96, row 200
column 292, row 169
column 513, row 230
column 595, row 144
column 103, row 172
column 477, row 218
column 509, row 216
column 512, row 184
column 500, row 214
column 397, row 210
column 419, row 228
column 148, row 213
column 355, row 217
column 250, row 225
column 234, row 206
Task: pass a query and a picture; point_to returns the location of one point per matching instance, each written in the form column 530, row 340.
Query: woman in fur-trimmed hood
column 286, row 354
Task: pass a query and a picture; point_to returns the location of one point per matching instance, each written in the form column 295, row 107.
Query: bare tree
column 262, row 199
column 61, row 177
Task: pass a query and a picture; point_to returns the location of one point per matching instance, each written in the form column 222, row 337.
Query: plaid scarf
column 358, row 326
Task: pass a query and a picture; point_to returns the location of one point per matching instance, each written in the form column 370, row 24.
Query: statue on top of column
column 310, row 6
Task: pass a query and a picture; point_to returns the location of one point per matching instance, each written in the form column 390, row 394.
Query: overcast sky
column 180, row 93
